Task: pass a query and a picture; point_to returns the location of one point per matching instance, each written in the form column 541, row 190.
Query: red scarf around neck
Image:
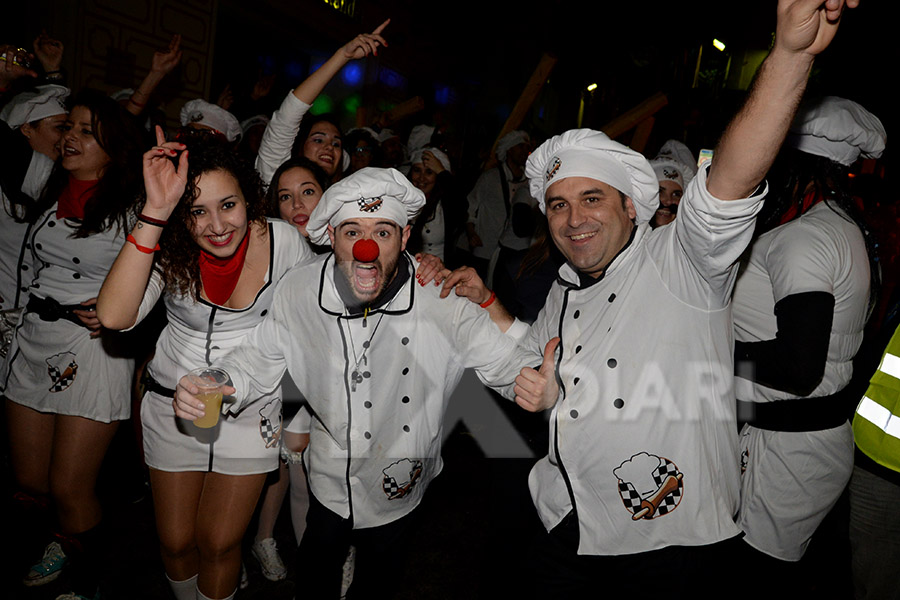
column 74, row 196
column 810, row 199
column 220, row 275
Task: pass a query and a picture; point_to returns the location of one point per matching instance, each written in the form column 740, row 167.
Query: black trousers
column 556, row 570
column 381, row 554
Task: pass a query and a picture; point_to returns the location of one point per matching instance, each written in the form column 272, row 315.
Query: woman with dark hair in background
column 296, row 188
column 67, row 382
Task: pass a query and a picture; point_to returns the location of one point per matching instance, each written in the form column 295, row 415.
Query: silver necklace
column 356, row 377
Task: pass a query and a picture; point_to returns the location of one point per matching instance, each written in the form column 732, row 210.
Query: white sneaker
column 266, row 552
column 48, row 568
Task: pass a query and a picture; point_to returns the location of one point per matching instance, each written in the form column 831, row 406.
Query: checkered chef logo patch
column 552, row 168
column 400, row 478
column 62, row 369
column 650, row 486
column 370, row 205
column 270, row 423
column 670, row 173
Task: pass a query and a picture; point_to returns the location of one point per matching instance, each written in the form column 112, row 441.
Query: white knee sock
column 299, row 500
column 200, row 596
column 184, row 590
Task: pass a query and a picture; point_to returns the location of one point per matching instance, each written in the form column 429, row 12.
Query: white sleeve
column 697, row 255
column 151, row 297
column 279, row 136
column 258, row 364
column 804, row 259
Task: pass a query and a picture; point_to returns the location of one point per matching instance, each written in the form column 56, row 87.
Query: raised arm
column 752, row 139
column 281, row 132
column 122, row 292
column 162, row 64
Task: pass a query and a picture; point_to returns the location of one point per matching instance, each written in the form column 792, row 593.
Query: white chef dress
column 56, row 367
column 792, row 479
column 197, row 334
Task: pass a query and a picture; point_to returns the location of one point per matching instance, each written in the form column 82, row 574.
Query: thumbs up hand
column 537, row 390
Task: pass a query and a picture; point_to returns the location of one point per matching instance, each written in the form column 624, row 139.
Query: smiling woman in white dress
column 218, row 260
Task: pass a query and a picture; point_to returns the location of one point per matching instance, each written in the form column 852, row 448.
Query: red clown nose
column 365, row 250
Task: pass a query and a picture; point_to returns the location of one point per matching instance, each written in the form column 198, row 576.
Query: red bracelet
column 140, row 248
column 151, row 221
column 489, row 301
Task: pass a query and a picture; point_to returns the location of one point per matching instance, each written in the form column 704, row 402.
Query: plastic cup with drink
column 209, row 380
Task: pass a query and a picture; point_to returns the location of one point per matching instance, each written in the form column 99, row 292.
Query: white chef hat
column 419, row 137
column 675, row 163
column 513, row 138
column 838, row 129
column 123, row 94
column 42, row 102
column 589, row 153
column 371, row 192
column 211, row 115
column 438, row 154
column 254, row 121
column 385, row 134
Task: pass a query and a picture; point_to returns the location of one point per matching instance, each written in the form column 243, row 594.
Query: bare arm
column 752, row 139
column 163, row 63
column 122, row 291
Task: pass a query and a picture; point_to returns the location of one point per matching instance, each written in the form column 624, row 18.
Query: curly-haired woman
column 217, row 262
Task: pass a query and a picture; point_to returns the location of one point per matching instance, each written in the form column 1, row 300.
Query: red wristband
column 140, row 248
column 489, row 301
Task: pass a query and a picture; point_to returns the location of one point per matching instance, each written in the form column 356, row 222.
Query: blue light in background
column 294, row 70
column 352, row 74
column 443, row 95
column 391, row 78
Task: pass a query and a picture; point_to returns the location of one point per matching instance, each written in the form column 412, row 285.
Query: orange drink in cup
column 209, row 381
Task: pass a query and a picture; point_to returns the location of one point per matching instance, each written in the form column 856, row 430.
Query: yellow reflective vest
column 876, row 424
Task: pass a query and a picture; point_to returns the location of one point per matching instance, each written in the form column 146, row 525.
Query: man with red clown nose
column 377, row 358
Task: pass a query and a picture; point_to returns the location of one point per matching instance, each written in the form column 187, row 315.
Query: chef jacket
column 643, row 442
column 378, row 384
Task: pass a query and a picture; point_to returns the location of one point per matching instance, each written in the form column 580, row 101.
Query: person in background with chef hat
column 389, row 353
column 205, row 118
column 674, row 167
column 800, row 306
column 26, row 161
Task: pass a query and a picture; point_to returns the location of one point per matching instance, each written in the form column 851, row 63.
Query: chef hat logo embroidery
column 62, row 369
column 270, row 423
column 400, row 478
column 552, row 169
column 370, row 205
column 650, row 486
column 670, row 173
column 195, row 117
